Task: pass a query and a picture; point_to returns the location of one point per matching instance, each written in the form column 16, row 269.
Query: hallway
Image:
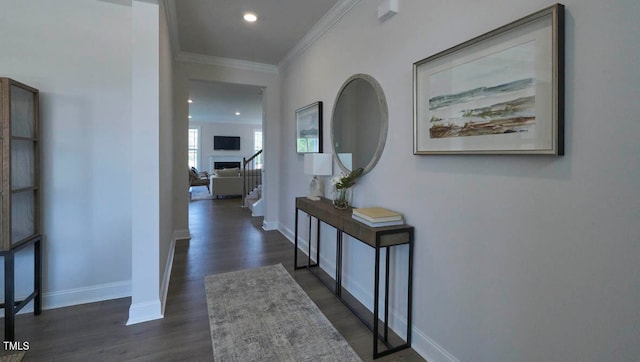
column 224, row 238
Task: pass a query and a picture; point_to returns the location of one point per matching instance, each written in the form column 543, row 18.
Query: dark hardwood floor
column 224, row 238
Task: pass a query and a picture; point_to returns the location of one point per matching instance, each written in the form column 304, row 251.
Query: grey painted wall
column 517, row 258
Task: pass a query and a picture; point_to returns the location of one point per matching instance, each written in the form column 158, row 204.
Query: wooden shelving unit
column 19, row 192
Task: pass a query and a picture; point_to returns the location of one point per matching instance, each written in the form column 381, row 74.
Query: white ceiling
column 215, row 30
column 219, row 102
column 216, row 27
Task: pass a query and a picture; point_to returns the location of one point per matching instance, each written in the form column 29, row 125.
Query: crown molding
column 322, row 26
column 179, row 55
column 172, row 22
column 225, row 62
column 127, row 3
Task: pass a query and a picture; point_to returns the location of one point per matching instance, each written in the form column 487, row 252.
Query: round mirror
column 359, row 123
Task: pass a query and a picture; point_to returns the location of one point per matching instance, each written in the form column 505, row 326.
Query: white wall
column 187, row 70
column 209, row 129
column 92, row 138
column 516, row 258
column 167, row 242
column 82, row 66
column 145, row 158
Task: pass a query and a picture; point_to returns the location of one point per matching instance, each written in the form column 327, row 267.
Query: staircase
column 253, row 201
column 252, row 184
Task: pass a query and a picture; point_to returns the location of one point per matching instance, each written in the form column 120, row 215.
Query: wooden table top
column 324, row 210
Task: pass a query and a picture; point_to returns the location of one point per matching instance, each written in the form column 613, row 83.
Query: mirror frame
column 384, row 121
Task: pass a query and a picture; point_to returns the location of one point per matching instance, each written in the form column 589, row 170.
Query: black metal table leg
column 10, row 305
column 376, row 294
column 309, row 240
column 338, row 290
column 295, row 242
column 410, row 287
column 309, row 244
column 386, row 296
column 318, row 242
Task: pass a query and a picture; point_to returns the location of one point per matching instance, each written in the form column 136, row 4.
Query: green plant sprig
column 346, row 181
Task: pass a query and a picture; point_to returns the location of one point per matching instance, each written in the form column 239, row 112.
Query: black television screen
column 226, row 143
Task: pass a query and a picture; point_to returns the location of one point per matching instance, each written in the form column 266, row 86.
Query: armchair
column 198, row 178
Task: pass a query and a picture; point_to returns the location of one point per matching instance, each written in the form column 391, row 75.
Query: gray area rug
column 262, row 314
column 15, row 357
column 200, row 193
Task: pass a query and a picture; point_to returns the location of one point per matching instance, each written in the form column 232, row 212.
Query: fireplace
column 220, row 165
column 217, row 162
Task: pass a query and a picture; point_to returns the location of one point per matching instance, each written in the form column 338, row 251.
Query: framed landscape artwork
column 499, row 93
column 309, row 128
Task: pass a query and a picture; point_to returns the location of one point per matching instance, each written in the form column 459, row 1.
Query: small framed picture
column 309, row 128
column 499, row 93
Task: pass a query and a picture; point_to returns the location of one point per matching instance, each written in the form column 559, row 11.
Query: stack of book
column 377, row 216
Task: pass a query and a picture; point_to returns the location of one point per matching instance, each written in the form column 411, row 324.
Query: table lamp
column 317, row 164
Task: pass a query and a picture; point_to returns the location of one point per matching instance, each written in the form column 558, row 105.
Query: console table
column 376, row 237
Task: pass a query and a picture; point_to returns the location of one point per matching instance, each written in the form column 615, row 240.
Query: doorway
column 227, row 119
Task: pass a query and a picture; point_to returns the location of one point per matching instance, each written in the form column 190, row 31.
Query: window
column 257, row 146
column 193, row 147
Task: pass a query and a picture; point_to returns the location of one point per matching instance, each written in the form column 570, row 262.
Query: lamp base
column 315, row 189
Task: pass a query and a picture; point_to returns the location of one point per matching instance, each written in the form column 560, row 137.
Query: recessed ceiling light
column 189, row 117
column 250, row 17
column 190, row 101
column 237, row 113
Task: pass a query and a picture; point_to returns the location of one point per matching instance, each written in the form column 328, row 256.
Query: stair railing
column 251, row 178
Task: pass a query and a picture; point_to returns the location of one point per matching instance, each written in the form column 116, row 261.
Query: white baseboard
column 270, row 225
column 421, row 343
column 257, row 208
column 76, row 296
column 181, row 234
column 96, row 293
column 429, row 349
column 141, row 312
column 285, row 232
column 84, row 295
column 164, row 287
column 144, row 312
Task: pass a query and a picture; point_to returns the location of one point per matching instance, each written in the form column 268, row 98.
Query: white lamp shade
column 318, row 164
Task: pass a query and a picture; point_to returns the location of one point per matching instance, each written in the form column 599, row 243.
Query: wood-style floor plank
column 224, row 238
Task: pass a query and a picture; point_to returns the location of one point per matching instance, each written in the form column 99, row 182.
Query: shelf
column 20, row 201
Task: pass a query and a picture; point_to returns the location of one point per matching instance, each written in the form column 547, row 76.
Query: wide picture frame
column 499, row 93
column 309, row 128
